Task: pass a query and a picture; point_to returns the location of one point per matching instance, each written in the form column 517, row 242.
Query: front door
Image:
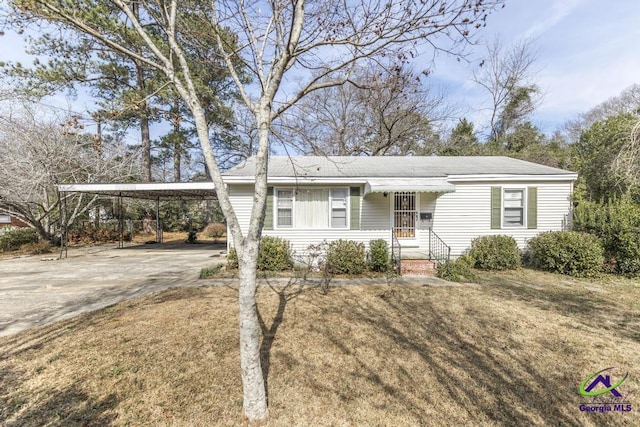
column 405, row 211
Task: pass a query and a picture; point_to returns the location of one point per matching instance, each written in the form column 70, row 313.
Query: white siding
column 241, row 197
column 458, row 217
column 427, row 204
column 375, row 212
column 374, row 221
column 466, row 214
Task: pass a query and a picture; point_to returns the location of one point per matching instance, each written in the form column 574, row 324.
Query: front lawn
column 512, row 350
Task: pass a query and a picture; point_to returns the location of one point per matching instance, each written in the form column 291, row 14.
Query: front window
column 285, row 208
column 5, row 219
column 513, row 215
column 339, row 198
column 312, row 208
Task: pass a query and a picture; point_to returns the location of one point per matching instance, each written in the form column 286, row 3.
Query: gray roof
column 393, row 166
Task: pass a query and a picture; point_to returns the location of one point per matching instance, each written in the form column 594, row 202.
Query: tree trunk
column 253, row 385
column 42, row 230
column 254, row 401
column 146, row 147
column 177, row 142
column 177, row 164
column 144, row 111
column 254, row 392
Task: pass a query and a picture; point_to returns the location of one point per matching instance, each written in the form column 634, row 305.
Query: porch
column 415, row 260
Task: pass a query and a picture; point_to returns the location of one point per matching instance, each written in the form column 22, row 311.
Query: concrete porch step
column 414, row 254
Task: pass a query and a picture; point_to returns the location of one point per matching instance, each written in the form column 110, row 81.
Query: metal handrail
column 396, row 259
column 438, row 250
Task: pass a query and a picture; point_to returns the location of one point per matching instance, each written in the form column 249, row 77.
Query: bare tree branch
column 507, row 74
column 40, row 153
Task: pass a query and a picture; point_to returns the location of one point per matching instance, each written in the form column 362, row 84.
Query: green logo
column 605, row 380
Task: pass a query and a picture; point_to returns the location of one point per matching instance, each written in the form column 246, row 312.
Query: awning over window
column 420, row 185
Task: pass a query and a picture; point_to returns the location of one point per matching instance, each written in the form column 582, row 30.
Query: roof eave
column 363, row 180
column 296, row 180
column 513, row 177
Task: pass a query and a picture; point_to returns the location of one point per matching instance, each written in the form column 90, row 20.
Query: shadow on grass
column 285, row 294
column 38, row 338
column 590, row 308
column 474, row 375
column 69, row 406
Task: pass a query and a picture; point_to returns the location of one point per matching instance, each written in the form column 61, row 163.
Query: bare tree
column 627, row 161
column 507, row 74
column 321, row 42
column 39, row 153
column 627, row 102
column 380, row 111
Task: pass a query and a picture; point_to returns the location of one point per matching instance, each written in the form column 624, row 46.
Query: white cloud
column 588, row 53
column 559, row 10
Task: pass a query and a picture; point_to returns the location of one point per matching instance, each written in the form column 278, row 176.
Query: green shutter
column 532, row 208
column 355, row 207
column 496, row 207
column 268, row 215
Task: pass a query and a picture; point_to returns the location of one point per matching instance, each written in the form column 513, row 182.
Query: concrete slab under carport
column 37, row 290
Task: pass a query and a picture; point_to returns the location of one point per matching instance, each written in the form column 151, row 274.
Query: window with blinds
column 312, row 208
column 513, row 212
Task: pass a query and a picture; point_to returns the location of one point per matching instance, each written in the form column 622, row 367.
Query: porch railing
column 396, row 253
column 438, row 250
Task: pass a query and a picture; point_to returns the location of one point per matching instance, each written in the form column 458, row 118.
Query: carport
column 156, row 191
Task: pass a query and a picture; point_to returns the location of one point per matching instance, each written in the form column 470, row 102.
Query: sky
column 588, row 52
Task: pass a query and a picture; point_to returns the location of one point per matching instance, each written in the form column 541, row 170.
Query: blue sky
column 588, row 51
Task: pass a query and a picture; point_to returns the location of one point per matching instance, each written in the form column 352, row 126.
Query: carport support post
column 158, row 227
column 63, row 224
column 120, row 222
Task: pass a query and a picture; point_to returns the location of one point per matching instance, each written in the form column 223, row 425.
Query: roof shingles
column 393, row 166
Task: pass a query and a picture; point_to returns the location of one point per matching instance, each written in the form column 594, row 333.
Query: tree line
column 381, row 109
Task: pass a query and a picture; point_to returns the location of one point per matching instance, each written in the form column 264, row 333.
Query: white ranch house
column 426, row 208
column 427, row 205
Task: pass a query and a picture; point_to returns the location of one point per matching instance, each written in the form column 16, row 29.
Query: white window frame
column 277, row 208
column 346, row 208
column 294, row 190
column 5, row 219
column 523, row 190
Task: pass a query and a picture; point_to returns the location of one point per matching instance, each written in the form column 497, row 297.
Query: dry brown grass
column 511, row 351
column 175, row 237
column 167, row 236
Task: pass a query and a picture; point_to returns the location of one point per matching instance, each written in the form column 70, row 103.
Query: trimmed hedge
column 14, row 239
column 457, row 270
column 379, row 259
column 566, row 252
column 214, row 230
column 498, row 252
column 346, row 257
column 274, row 254
column 232, row 258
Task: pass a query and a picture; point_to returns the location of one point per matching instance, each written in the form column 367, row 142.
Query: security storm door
column 404, row 215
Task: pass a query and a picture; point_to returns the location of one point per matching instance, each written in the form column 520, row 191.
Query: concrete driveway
column 36, row 290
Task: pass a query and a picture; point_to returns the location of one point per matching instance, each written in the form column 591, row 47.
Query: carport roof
column 152, row 190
